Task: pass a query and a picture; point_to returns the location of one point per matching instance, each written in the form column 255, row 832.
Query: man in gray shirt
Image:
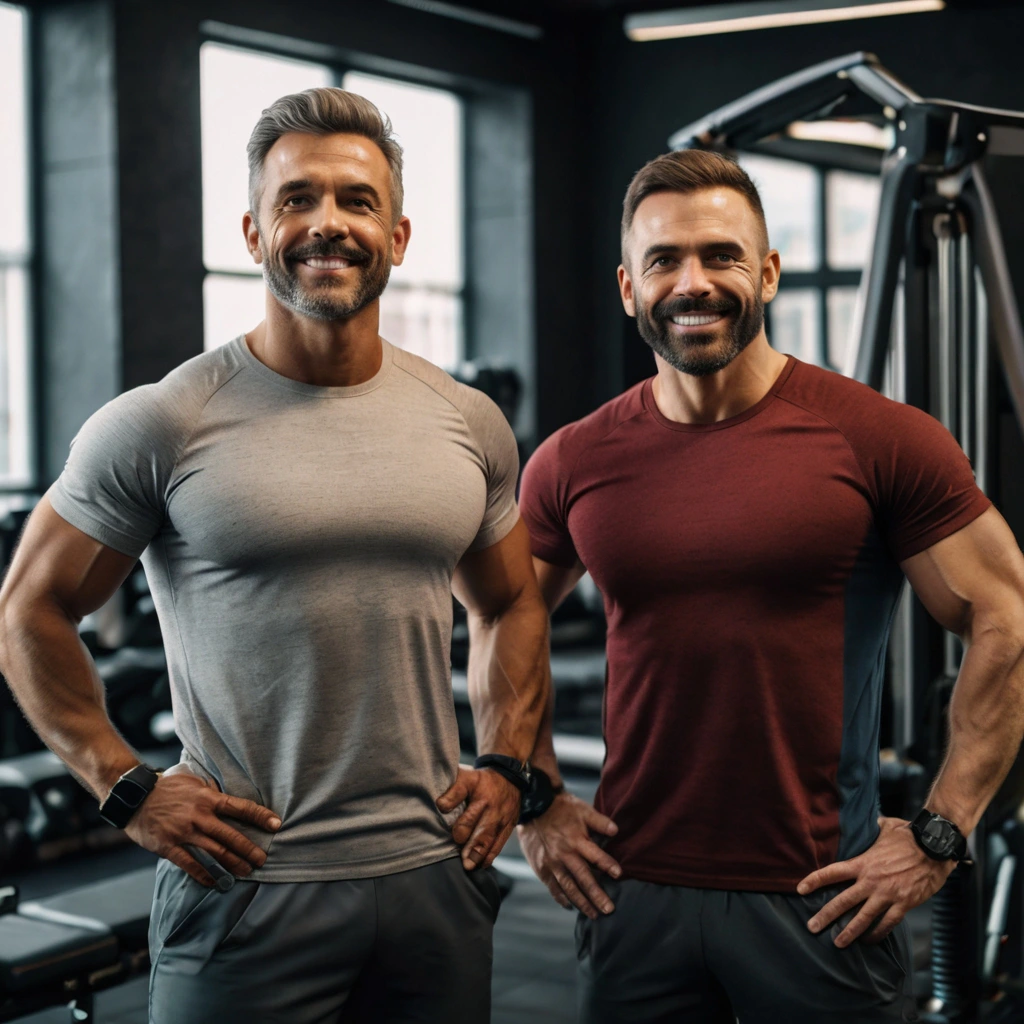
column 304, row 499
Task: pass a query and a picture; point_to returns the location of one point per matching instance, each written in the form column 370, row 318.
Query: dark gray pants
column 673, row 955
column 414, row 946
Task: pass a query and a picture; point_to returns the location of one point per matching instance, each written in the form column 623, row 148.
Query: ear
column 400, row 235
column 626, row 291
column 252, row 237
column 771, row 270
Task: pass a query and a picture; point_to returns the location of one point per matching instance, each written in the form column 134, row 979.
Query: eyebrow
column 666, row 249
column 300, row 184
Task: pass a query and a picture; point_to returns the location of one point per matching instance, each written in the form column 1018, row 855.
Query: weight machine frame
column 935, row 289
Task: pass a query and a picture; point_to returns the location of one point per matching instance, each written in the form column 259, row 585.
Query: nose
column 330, row 221
column 691, row 278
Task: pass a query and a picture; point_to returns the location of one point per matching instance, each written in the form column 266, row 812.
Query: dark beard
column 700, row 355
column 319, row 301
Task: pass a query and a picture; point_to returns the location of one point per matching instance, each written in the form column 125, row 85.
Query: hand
column 491, row 812
column 558, row 847
column 889, row 878
column 183, row 810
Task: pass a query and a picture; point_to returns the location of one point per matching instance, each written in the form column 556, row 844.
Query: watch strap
column 540, row 796
column 517, row 772
column 127, row 794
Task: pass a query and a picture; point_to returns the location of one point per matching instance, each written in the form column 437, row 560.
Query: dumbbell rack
column 935, row 291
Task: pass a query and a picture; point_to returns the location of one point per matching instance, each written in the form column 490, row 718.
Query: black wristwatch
column 939, row 837
column 517, row 772
column 539, row 797
column 127, row 794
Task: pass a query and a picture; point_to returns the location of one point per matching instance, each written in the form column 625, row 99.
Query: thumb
column 455, row 794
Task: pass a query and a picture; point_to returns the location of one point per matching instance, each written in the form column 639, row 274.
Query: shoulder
column 163, row 415
column 565, row 446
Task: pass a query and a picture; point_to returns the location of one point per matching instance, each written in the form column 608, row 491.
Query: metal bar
column 981, row 383
column 966, row 343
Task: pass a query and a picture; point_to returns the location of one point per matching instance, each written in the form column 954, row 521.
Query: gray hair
column 324, row 111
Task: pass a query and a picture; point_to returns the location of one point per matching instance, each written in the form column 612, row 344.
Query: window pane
column 841, row 305
column 423, row 320
column 231, row 306
column 428, row 124
column 13, row 132
column 852, row 205
column 14, row 377
column 236, row 87
column 790, row 194
column 795, row 323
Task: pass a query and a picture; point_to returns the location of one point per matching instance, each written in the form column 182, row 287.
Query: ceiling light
column 706, row 21
column 849, row 133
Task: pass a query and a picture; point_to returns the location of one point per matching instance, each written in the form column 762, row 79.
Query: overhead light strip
column 474, row 17
column 706, row 21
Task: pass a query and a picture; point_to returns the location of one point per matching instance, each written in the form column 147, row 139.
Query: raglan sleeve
column 543, row 502
column 113, row 484
column 925, row 486
column 501, row 465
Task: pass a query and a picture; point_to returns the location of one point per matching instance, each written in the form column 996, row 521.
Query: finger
column 454, row 795
column 479, row 844
column 599, row 823
column 599, row 858
column 223, row 856
column 890, row 919
column 238, row 844
column 586, row 881
column 841, row 871
column 836, row 907
column 246, row 810
column 463, row 828
column 576, row 896
column 176, row 855
column 497, row 846
column 556, row 891
column 870, row 912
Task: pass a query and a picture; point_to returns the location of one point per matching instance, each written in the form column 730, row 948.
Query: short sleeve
column 926, row 487
column 543, row 504
column 501, row 461
column 113, row 484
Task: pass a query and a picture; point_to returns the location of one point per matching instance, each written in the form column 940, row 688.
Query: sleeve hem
column 552, row 554
column 73, row 513
column 945, row 529
column 496, row 532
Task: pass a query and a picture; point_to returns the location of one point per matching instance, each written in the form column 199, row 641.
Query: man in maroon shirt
column 749, row 519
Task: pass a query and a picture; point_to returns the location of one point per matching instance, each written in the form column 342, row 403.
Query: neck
column 337, row 353
column 684, row 398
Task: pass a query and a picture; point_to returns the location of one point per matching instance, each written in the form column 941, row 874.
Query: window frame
column 338, row 67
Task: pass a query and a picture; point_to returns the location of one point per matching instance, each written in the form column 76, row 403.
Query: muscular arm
column 973, row 584
column 509, row 683
column 57, row 576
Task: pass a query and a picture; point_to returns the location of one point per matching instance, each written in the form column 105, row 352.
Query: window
column 422, row 308
column 15, row 253
column 822, row 223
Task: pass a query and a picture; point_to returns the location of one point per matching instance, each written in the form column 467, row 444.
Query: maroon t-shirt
column 749, row 573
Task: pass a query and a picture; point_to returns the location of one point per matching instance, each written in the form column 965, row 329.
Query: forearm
column 510, row 677
column 986, row 722
column 54, row 680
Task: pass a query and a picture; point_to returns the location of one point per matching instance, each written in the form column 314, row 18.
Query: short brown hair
column 325, row 111
column 686, row 171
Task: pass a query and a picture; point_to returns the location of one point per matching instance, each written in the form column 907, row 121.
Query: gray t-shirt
column 300, row 543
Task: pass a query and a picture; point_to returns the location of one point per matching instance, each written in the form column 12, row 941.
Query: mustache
column 346, row 252
column 669, row 308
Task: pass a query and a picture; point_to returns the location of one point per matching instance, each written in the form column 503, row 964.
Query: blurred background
column 123, row 126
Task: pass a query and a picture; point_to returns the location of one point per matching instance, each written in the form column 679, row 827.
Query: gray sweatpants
column 673, row 955
column 413, row 946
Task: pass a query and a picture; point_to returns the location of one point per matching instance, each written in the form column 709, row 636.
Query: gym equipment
column 61, row 950
column 935, row 289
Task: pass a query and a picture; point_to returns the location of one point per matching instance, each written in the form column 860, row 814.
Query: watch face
column 132, row 793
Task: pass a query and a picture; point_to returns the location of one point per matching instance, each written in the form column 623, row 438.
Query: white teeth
column 696, row 319
column 326, row 263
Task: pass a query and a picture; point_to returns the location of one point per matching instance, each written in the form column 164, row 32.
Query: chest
column 327, row 482
column 711, row 513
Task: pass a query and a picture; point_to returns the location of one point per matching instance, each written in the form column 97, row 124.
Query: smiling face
column 697, row 277
column 325, row 235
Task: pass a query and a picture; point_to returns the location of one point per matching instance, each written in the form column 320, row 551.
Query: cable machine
column 935, row 294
